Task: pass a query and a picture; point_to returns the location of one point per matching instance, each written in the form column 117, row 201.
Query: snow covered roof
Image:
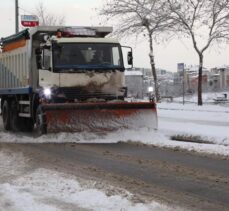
column 194, row 68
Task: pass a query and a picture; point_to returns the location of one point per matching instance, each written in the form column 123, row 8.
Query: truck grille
column 82, row 94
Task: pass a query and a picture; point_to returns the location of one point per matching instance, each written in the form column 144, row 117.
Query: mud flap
column 99, row 117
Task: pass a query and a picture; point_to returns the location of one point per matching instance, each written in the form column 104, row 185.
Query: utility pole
column 16, row 16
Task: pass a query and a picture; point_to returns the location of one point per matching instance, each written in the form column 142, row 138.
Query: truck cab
column 77, row 64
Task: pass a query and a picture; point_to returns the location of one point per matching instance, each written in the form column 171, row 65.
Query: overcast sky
column 82, row 12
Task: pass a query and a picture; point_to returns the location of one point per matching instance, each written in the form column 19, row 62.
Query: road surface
column 175, row 177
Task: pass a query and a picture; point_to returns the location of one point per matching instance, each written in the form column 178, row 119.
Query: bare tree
column 149, row 17
column 205, row 22
column 47, row 19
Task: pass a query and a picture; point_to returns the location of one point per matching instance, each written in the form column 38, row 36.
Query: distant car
column 221, row 98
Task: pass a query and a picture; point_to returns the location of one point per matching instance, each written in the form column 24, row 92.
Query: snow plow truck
column 67, row 79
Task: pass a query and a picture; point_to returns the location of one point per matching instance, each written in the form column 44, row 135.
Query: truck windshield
column 86, row 56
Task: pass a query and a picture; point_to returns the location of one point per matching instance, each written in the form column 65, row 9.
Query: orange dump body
column 99, row 117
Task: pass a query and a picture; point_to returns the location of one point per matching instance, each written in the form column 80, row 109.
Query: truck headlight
column 150, row 89
column 47, row 92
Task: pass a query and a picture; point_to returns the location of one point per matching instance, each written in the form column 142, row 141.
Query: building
column 190, row 76
column 221, row 77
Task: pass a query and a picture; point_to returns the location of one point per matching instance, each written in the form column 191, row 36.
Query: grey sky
column 82, row 12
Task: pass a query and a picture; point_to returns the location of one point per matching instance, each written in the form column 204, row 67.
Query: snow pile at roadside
column 159, row 138
column 49, row 190
column 144, row 134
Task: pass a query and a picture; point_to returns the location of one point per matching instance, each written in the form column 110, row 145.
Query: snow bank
column 159, row 138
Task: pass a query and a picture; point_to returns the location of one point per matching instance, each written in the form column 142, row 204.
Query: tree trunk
column 152, row 63
column 200, row 102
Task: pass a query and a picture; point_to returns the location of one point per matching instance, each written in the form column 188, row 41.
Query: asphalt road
column 175, row 177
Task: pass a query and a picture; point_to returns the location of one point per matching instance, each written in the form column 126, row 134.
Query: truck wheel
column 6, row 115
column 15, row 119
column 41, row 127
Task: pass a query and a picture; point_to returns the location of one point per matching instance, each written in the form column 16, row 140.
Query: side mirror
column 129, row 55
column 130, row 58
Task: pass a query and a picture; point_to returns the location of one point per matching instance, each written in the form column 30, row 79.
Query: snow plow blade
column 99, row 117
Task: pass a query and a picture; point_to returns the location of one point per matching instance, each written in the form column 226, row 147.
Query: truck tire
column 15, row 119
column 6, row 115
column 41, row 127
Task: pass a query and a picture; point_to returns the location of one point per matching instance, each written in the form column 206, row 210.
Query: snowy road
column 174, row 177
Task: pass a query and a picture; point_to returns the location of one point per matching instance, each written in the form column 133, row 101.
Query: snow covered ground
column 210, row 123
column 49, row 190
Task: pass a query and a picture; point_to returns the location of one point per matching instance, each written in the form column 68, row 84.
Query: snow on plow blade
column 99, row 117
